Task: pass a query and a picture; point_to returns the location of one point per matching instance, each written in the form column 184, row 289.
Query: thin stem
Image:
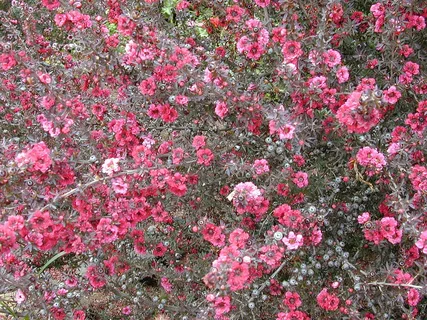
column 393, row 284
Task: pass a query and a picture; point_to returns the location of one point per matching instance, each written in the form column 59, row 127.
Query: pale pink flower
column 422, row 242
column 393, row 148
column 19, row 296
column 293, row 241
column 364, row 217
column 110, row 166
column 261, row 166
column 119, row 186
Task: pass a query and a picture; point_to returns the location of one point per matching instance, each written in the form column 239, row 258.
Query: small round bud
column 278, row 235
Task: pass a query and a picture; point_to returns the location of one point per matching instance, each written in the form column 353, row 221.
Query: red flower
column 96, row 276
column 160, row 250
column 51, row 4
column 125, row 25
column 327, row 301
column 205, row 157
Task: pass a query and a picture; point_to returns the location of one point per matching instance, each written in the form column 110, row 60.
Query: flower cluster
column 247, row 198
column 371, row 159
column 213, row 159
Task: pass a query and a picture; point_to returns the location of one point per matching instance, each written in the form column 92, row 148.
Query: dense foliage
column 213, row 159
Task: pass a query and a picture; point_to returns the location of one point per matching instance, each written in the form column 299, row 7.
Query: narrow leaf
column 51, row 260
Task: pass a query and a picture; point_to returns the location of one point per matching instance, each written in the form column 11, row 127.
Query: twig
column 262, row 287
column 359, row 177
column 393, row 285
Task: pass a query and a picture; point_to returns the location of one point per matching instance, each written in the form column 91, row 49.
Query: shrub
column 213, row 159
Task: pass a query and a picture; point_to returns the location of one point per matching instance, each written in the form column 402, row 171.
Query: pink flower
column 254, row 51
column 396, row 237
column 238, row 238
column 125, row 25
column 166, row 284
column 271, row 255
column 388, row 226
column 332, row 58
column 213, row 234
column 291, row 50
column 38, row 156
column 292, row 300
column 391, row 95
column 300, row 179
column 422, row 242
column 285, row 132
column 261, row 166
column 51, row 4
column 7, row 61
column 167, row 113
column 292, row 315
column 393, row 149
column 199, row 142
column 370, row 158
column 243, row 44
column 119, row 186
column 293, row 241
column 222, row 305
column 413, row 297
column 95, row 276
column 377, row 10
column 159, row 250
column 177, row 155
column 79, row 315
column 363, row 218
column 44, row 78
column 327, row 301
column 221, row 109
column 127, row 310
column 357, row 118
column 148, row 87
column 246, row 196
column 342, row 74
column 238, row 275
column 181, row 100
column 234, row 13
column 262, row 3
column 106, row 232
column 182, row 5
column 288, row 217
column 411, row 68
column 205, row 157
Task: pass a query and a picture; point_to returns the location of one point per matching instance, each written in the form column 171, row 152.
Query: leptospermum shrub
column 213, row 159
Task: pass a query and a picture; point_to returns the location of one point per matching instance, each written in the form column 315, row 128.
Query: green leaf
column 9, row 309
column 202, row 32
column 168, row 6
column 51, row 260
